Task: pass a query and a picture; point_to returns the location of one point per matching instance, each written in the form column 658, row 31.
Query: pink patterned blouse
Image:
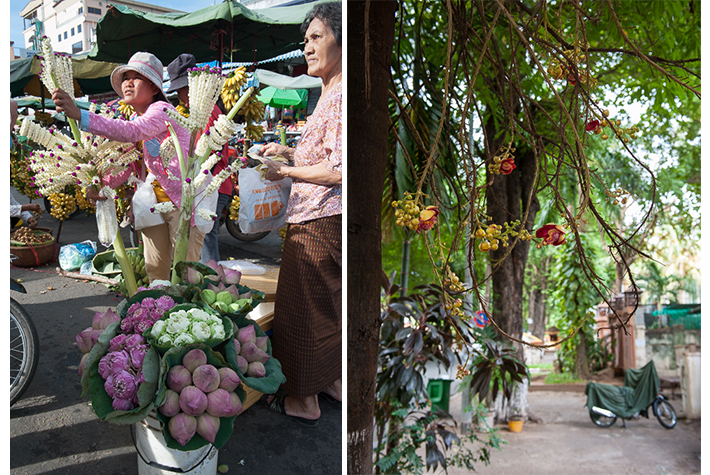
column 321, row 141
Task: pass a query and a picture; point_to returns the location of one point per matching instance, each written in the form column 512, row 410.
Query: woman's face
column 138, row 91
column 323, row 55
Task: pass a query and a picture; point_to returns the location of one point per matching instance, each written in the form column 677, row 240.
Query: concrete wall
column 666, row 347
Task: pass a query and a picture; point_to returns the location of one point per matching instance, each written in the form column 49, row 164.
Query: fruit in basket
column 63, row 205
column 28, row 236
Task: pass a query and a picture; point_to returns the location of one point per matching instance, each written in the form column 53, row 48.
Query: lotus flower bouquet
column 189, row 323
column 199, row 397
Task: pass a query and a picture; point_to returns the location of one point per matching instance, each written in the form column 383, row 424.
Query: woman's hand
column 31, row 207
column 273, row 148
column 275, row 170
column 66, row 104
column 93, row 196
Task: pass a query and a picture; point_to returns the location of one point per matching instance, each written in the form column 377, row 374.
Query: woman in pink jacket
column 139, row 83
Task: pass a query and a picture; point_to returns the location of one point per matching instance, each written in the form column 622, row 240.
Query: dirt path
column 567, row 442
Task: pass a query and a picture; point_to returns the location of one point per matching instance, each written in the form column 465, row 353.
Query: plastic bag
column 106, row 217
column 262, row 203
column 207, row 202
column 143, row 200
column 86, row 268
column 73, row 256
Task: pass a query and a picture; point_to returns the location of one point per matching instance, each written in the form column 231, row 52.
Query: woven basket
column 34, row 255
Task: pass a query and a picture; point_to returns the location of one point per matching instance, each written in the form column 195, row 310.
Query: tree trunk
column 536, row 302
column 370, row 42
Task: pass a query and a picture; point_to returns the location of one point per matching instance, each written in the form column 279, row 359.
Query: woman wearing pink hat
column 140, row 85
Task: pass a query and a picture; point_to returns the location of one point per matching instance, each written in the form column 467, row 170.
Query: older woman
column 308, row 314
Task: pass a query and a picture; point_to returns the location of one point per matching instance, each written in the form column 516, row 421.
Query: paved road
column 54, row 430
column 567, row 443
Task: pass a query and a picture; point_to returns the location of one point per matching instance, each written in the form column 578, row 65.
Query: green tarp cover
column 242, row 34
column 638, row 392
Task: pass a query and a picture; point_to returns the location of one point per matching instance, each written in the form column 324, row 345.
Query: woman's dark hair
column 331, row 15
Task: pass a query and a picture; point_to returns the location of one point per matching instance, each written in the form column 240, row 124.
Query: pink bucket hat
column 144, row 63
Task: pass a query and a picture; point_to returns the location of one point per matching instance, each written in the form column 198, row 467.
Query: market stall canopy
column 36, row 103
column 282, row 81
column 229, row 28
column 90, row 76
column 284, row 97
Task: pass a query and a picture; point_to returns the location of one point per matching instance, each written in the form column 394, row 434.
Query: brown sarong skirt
column 307, row 337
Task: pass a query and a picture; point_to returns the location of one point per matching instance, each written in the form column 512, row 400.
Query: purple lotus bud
column 194, row 277
column 262, row 343
column 232, row 277
column 123, row 404
column 193, row 401
column 246, row 334
column 219, row 403
column 178, row 378
column 171, row 406
column 237, row 346
column 228, row 379
column 216, row 288
column 206, row 378
column 208, row 426
column 82, row 363
column 242, row 364
column 87, row 339
column 236, row 406
column 182, row 427
column 194, row 358
column 256, row 369
column 252, row 353
column 109, row 316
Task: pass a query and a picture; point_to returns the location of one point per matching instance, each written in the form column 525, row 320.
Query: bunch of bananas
column 63, row 204
column 253, row 109
column 125, row 110
column 230, row 90
column 254, row 132
column 234, row 209
column 82, row 202
column 137, row 261
column 21, row 174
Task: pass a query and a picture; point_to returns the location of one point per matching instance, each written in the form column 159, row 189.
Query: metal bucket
column 155, row 458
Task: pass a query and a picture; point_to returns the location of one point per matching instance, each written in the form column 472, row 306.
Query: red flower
column 551, row 234
column 507, row 166
column 592, row 126
column 427, row 218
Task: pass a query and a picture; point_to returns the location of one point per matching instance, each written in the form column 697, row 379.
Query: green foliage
column 571, row 301
column 435, row 432
column 562, row 378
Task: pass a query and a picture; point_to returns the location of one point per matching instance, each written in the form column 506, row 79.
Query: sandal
column 331, row 399
column 278, row 405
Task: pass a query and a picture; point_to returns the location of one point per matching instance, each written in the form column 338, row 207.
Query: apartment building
column 71, row 24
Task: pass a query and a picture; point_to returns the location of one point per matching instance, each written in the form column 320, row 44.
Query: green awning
column 284, row 97
column 239, row 33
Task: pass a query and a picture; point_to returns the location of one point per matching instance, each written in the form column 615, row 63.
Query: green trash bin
column 438, row 390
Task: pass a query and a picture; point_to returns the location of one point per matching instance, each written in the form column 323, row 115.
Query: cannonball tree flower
column 507, row 166
column 551, row 234
column 592, row 125
column 427, row 218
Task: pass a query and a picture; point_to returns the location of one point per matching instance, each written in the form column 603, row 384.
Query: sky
column 16, row 24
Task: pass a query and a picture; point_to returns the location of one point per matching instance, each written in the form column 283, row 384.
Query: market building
column 70, row 24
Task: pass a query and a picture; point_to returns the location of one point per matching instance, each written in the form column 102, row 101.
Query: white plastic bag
column 143, row 200
column 262, row 203
column 106, row 217
column 207, row 202
column 73, row 256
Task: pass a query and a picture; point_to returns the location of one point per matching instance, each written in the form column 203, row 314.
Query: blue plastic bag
column 72, row 256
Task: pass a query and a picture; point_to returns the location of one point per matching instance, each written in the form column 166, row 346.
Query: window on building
column 78, row 29
column 72, row 31
column 94, row 10
column 80, row 11
column 65, row 35
column 60, row 38
column 76, row 48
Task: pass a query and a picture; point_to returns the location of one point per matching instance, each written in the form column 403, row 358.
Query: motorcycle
column 24, row 346
column 640, row 392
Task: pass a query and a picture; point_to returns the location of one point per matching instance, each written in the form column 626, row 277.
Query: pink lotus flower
column 122, row 385
column 148, row 303
column 217, row 288
column 194, row 277
column 82, row 363
column 232, row 276
column 143, row 325
column 118, row 343
column 114, row 363
column 137, row 355
column 164, row 303
column 134, row 340
column 122, row 404
column 103, row 320
column 552, row 234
